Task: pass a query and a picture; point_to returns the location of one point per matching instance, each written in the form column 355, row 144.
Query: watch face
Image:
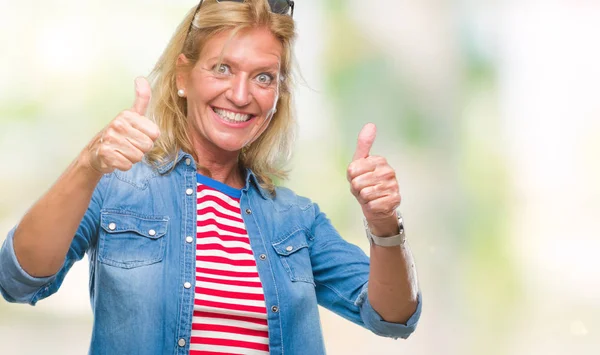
column 400, row 224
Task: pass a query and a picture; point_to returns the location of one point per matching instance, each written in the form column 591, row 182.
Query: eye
column 222, row 69
column 264, row 78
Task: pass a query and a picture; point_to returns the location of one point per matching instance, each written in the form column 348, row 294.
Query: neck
column 220, row 166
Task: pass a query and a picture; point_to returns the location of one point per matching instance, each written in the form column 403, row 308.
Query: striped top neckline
column 219, row 186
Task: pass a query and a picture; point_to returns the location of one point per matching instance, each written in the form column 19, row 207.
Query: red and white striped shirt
column 230, row 316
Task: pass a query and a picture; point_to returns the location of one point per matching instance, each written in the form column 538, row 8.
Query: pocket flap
column 291, row 243
column 150, row 227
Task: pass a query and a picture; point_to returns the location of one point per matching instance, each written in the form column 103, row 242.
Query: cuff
column 374, row 322
column 16, row 285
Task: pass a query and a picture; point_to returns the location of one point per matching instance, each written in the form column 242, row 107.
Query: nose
column 239, row 93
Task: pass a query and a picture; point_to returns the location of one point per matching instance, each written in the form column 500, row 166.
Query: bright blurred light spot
column 578, row 328
column 61, row 49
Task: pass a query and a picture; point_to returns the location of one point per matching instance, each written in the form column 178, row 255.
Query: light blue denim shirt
column 142, row 263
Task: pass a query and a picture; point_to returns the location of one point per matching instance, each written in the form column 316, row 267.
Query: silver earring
column 181, row 93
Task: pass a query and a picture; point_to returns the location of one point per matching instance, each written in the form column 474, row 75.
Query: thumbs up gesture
column 373, row 183
column 127, row 137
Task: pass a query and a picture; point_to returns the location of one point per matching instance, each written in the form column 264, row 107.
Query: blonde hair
column 267, row 155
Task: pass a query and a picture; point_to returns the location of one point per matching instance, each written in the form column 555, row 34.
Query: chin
column 230, row 147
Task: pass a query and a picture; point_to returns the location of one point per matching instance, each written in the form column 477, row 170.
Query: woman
column 192, row 247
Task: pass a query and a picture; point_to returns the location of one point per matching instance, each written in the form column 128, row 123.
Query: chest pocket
column 128, row 240
column 294, row 255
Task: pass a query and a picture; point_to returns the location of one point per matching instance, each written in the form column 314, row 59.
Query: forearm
column 392, row 279
column 43, row 237
column 392, row 286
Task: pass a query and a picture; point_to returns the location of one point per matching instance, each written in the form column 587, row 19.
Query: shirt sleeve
column 377, row 325
column 341, row 272
column 17, row 286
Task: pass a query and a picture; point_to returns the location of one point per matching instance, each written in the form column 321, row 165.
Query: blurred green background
column 488, row 110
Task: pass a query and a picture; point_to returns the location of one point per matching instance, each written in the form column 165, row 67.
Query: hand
column 127, row 137
column 373, row 183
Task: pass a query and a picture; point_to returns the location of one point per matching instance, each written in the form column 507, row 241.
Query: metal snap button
column 112, row 226
column 275, row 309
column 189, row 239
column 289, row 248
column 188, row 161
column 248, row 211
column 262, row 257
column 187, row 285
column 181, row 342
column 152, row 232
column 189, row 192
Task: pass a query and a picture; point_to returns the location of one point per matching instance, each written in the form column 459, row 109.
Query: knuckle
column 387, row 174
column 355, row 185
column 109, row 133
column 351, row 178
column 118, row 124
column 389, row 171
column 147, row 145
column 363, row 194
column 101, row 152
column 391, row 184
column 155, row 131
column 139, row 155
column 126, row 166
column 379, row 159
column 351, row 171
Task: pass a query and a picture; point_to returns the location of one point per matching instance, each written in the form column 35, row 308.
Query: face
column 232, row 90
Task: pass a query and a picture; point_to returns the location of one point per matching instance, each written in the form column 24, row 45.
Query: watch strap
column 391, row 241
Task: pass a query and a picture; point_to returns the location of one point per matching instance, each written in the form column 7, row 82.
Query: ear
column 182, row 70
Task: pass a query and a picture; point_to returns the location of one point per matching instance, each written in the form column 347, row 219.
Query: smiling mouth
column 232, row 117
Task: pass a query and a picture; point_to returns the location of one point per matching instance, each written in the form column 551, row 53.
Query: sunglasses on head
column 282, row 7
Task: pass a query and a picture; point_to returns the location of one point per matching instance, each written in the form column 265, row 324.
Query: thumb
column 366, row 137
column 143, row 93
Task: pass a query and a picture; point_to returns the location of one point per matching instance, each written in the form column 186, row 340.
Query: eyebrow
column 226, row 60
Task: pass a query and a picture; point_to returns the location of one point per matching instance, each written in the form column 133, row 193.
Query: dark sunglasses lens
column 280, row 6
column 277, row 6
column 230, row 0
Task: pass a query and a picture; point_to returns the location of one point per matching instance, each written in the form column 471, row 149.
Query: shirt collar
column 169, row 163
column 251, row 178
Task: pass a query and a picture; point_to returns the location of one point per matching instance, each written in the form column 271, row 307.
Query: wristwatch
column 390, row 241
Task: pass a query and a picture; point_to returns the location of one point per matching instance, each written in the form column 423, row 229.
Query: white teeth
column 232, row 116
